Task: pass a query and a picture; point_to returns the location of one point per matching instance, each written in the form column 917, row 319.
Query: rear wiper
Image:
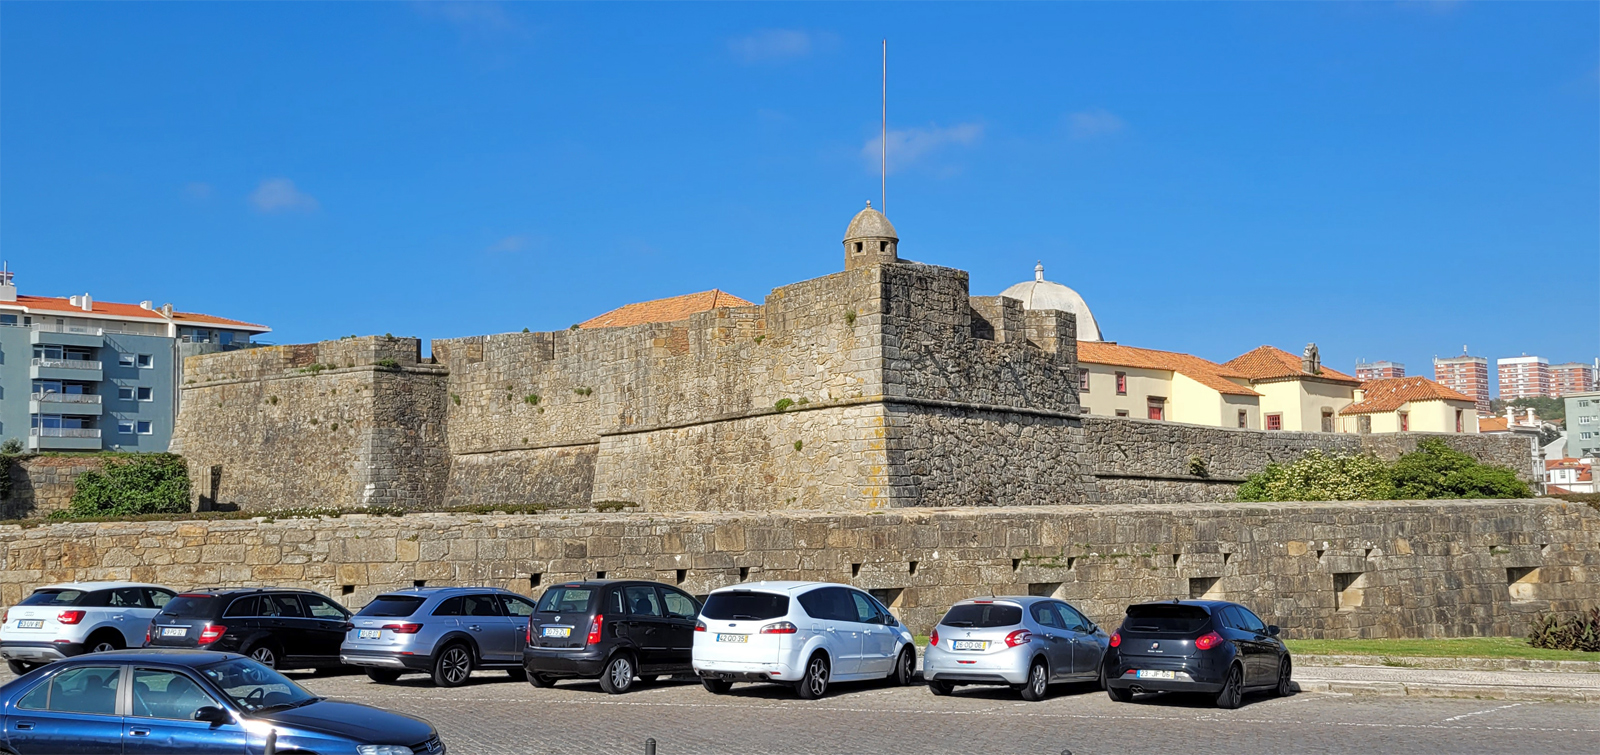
column 958, row 623
column 745, row 616
column 1145, row 628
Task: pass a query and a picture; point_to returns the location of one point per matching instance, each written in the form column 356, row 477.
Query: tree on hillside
column 1545, row 408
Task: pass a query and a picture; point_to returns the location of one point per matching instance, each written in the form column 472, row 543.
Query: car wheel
column 940, row 689
column 717, row 686
column 1120, row 695
column 541, row 681
column 1285, row 688
column 1038, row 682
column 265, row 655
column 1232, row 694
column 1102, row 680
column 20, row 667
column 815, row 682
column 453, row 666
column 104, row 644
column 905, row 669
column 617, row 677
column 383, row 675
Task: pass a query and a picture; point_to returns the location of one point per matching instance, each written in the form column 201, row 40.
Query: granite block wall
column 42, row 484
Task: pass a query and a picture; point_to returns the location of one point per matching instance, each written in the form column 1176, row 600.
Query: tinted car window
column 192, row 606
column 743, row 605
column 1045, row 614
column 566, row 600
column 613, row 601
column 516, row 606
column 983, row 615
column 244, row 607
column 157, row 598
column 1071, row 619
column 480, row 605
column 87, row 689
column 53, row 598
column 127, row 597
column 37, row 698
column 866, row 612
column 829, row 603
column 287, row 605
column 322, row 608
column 252, row 686
column 167, row 694
column 1247, row 620
column 393, row 606
column 1165, row 617
column 450, row 607
column 679, row 606
column 642, row 600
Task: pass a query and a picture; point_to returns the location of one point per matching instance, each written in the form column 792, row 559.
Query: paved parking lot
column 493, row 715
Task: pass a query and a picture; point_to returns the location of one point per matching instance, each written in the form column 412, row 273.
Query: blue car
column 155, row 702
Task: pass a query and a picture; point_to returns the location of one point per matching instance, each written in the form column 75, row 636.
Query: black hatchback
column 1206, row 646
column 615, row 631
column 278, row 627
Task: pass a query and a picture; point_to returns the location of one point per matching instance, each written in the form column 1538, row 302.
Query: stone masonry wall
column 1381, row 569
column 42, row 484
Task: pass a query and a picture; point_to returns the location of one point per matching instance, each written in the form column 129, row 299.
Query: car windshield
column 53, row 597
column 190, row 606
column 566, row 600
column 743, row 605
column 393, row 606
column 983, row 615
column 256, row 688
column 1165, row 617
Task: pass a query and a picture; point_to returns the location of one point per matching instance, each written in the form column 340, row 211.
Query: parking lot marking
column 1482, row 712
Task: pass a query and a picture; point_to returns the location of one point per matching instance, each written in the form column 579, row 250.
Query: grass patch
column 1461, row 647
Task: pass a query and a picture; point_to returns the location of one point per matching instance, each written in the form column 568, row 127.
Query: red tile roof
column 670, row 309
column 1273, row 363
column 1492, row 424
column 1393, row 393
column 128, row 311
column 1203, row 371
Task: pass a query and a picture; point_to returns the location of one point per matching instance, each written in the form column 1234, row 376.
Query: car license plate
column 30, row 624
column 174, row 631
column 369, row 634
column 556, row 632
column 733, row 638
column 969, row 644
column 1146, row 673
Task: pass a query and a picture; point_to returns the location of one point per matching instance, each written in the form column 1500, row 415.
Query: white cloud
column 1088, row 124
column 280, row 195
column 909, row 146
column 779, row 44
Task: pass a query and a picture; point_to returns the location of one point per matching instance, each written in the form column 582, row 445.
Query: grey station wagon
column 442, row 631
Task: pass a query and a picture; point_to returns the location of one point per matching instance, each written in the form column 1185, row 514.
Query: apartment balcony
column 83, row 370
column 66, row 335
column 63, row 439
column 81, row 404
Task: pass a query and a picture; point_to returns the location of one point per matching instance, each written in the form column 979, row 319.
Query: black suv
column 611, row 630
column 279, row 627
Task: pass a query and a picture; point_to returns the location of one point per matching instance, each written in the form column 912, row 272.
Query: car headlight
column 383, row 750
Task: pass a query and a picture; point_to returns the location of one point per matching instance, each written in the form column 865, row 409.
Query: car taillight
column 594, row 629
column 528, row 633
column 782, row 627
column 403, row 628
column 147, row 636
column 1207, row 641
column 1019, row 637
column 69, row 617
column 212, row 633
column 1116, row 639
column 699, row 626
column 933, row 641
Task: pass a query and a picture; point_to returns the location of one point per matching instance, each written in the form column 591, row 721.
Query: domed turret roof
column 1042, row 294
column 870, row 224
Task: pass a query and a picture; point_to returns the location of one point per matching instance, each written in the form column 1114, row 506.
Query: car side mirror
column 1272, row 630
column 211, row 714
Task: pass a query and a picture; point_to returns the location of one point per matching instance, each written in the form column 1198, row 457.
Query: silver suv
column 442, row 631
column 59, row 621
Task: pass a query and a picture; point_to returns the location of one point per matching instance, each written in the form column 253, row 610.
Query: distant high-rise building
column 1379, row 370
column 1524, row 377
column 1465, row 374
column 1573, row 377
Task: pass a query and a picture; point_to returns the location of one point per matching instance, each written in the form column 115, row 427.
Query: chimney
column 1310, row 360
column 8, row 289
column 147, row 305
column 1531, row 419
column 166, row 310
column 86, row 303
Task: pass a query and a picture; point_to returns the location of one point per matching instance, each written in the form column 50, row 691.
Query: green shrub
column 1436, row 470
column 389, row 363
column 139, row 484
column 1579, row 632
column 783, row 404
column 11, row 447
column 1317, row 476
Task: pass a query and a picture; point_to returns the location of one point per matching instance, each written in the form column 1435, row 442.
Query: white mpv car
column 60, row 621
column 802, row 633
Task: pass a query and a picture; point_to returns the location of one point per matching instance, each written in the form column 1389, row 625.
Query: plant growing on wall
column 583, row 391
column 388, row 363
column 136, row 484
column 455, row 398
column 1197, row 466
column 531, row 399
column 850, row 317
column 1434, row 470
column 783, row 404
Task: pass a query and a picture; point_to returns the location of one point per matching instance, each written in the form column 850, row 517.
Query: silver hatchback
column 1027, row 643
column 445, row 632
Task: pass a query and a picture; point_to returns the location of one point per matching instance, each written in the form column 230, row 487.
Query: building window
column 1405, row 421
column 1585, row 420
column 1157, row 408
column 8, row 319
column 1122, row 384
column 1274, row 421
column 1364, row 423
column 1083, row 381
column 146, row 394
column 1583, row 402
column 125, row 427
column 144, row 361
column 1459, row 420
column 126, row 360
column 1122, row 412
column 144, row 427
column 1327, row 420
column 126, row 394
column 1244, row 419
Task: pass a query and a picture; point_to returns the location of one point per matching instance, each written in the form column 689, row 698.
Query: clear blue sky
column 1388, row 180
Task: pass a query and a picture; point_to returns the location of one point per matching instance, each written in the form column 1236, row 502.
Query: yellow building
column 1123, row 381
column 1410, row 404
column 1297, row 392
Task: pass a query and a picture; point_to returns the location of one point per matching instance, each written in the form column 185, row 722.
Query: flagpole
column 883, row 136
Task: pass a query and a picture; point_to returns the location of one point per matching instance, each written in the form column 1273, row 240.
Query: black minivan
column 279, row 627
column 615, row 631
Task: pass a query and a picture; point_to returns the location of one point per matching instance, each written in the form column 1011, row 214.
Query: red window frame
column 1083, row 380
column 1274, row 421
column 1122, row 384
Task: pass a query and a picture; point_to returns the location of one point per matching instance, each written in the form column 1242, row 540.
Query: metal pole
column 883, row 137
column 649, row 747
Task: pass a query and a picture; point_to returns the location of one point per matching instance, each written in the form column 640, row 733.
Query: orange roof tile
column 1492, row 424
column 1272, row 363
column 670, row 309
column 1203, row 371
column 1393, row 393
column 127, row 311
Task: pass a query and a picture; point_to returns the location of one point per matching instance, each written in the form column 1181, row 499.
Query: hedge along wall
column 1364, row 569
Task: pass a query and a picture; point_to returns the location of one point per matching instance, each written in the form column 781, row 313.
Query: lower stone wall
column 1320, row 570
column 42, row 484
column 554, row 477
column 955, row 456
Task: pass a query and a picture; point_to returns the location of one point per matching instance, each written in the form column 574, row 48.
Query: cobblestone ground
column 493, row 715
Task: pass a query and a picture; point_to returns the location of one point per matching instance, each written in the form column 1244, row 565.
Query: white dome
column 1042, row 294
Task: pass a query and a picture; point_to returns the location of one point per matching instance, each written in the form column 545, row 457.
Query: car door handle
column 139, row 732
column 24, row 725
column 475, row 628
